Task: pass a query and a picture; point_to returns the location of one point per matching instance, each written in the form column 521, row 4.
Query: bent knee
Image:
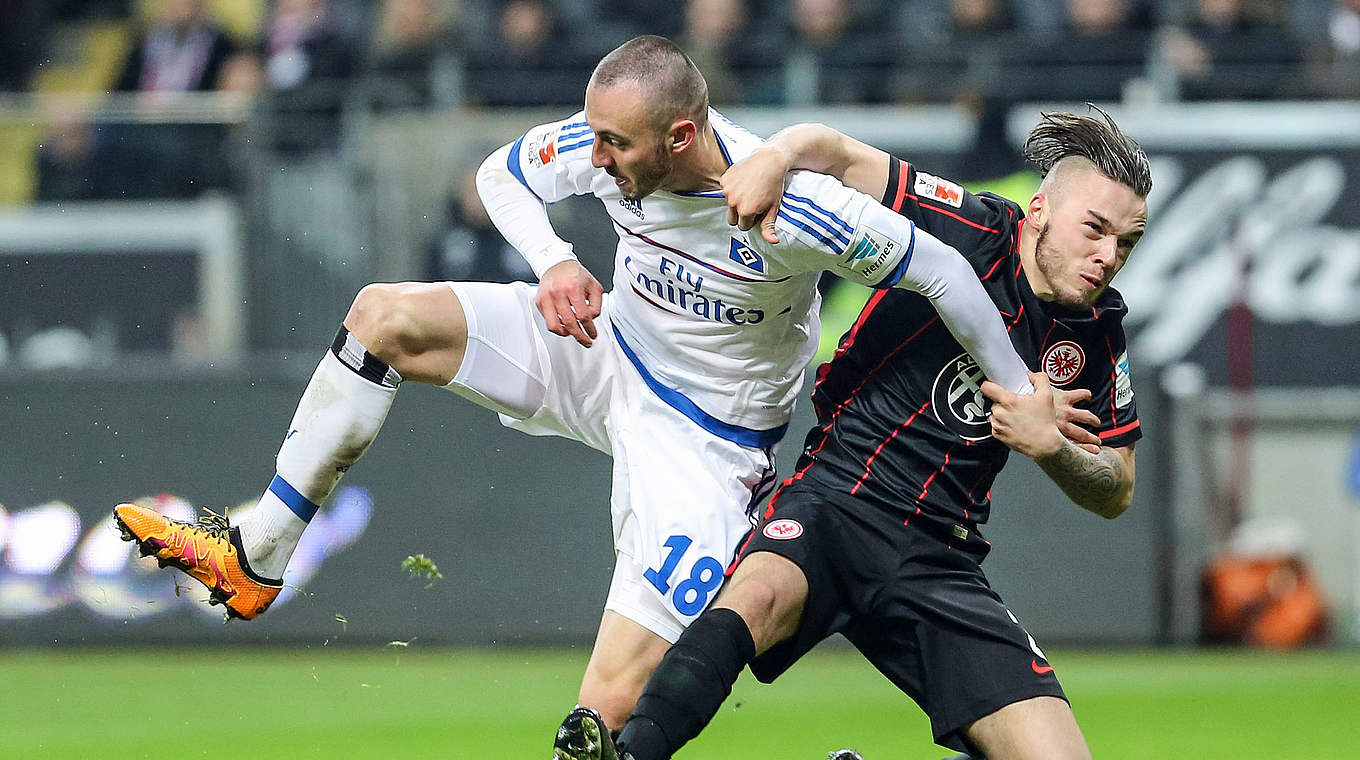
column 398, row 322
column 768, row 591
column 754, row 598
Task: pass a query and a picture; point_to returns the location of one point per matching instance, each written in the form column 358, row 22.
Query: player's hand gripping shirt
column 902, row 420
column 719, row 322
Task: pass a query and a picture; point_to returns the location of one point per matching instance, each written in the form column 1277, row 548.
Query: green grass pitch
column 409, row 704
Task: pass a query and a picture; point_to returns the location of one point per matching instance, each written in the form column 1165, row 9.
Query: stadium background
column 176, row 247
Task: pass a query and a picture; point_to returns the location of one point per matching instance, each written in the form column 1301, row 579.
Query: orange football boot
column 209, row 551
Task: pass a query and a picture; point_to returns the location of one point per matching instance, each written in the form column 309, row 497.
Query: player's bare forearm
column 819, row 148
column 1101, row 483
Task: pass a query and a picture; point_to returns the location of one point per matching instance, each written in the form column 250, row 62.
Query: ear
column 682, row 134
column 1038, row 208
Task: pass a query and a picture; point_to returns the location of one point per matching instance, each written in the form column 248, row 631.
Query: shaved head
column 1059, row 178
column 675, row 88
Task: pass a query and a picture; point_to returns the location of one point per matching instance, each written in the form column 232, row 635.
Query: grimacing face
column 1089, row 226
column 627, row 146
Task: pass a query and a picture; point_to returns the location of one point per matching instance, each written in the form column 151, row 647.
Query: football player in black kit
column 875, row 535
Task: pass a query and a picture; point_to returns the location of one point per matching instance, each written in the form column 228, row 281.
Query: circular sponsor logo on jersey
column 782, row 529
column 1063, row 361
column 957, row 400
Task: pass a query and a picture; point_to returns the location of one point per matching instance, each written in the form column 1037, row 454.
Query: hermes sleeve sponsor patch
column 938, row 189
column 1123, row 384
column 870, row 253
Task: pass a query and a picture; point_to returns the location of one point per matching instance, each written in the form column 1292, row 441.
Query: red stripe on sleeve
column 1114, row 410
column 1119, row 430
column 903, row 169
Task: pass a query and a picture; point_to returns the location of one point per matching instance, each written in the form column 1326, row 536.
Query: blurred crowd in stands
column 300, row 68
column 308, row 60
column 421, row 53
column 414, row 53
column 303, row 64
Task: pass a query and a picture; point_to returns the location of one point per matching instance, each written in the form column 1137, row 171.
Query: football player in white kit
column 685, row 373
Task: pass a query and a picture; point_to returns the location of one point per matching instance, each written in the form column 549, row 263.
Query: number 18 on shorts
column 690, row 590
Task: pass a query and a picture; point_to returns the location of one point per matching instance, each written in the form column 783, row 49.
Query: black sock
column 689, row 685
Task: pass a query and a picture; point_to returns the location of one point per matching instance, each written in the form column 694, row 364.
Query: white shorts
column 682, row 497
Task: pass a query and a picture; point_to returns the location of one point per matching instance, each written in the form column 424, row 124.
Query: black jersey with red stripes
column 901, row 420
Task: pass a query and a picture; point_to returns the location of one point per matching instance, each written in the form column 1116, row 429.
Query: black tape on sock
column 352, row 354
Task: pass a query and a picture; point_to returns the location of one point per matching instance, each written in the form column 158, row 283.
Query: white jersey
column 719, row 322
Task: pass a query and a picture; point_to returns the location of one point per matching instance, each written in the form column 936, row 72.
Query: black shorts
column 911, row 597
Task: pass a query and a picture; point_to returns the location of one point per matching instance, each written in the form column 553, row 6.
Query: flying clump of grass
column 420, row 565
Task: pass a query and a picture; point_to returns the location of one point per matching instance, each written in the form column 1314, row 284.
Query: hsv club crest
column 743, row 254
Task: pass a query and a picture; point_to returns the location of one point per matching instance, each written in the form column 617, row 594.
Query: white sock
column 339, row 415
column 270, row 532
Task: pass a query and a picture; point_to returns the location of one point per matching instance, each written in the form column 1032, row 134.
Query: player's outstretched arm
column 754, row 185
column 1100, row 482
column 939, row 272
column 519, row 214
column 569, row 297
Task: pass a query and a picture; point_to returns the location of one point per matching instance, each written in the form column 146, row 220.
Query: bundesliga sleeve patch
column 1123, row 383
column 540, row 150
column 870, row 254
column 938, row 189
